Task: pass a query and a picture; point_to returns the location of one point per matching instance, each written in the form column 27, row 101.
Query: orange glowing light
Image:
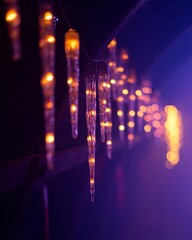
column 130, row 136
column 107, row 110
column 157, row 116
column 131, row 80
column 72, row 43
column 131, row 124
column 73, row 108
column 132, row 97
column 70, row 80
column 11, row 15
column 92, row 181
column 49, row 138
column 49, row 105
column 51, row 39
column 120, row 69
column 156, row 124
column 120, row 99
column 112, row 44
column 132, row 113
column 91, row 160
column 142, row 108
column 123, row 76
column 48, row 16
column 147, row 90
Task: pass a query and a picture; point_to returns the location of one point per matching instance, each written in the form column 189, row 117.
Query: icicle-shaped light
column 112, row 66
column 105, row 106
column 72, row 44
column 174, row 135
column 47, row 50
column 91, row 122
column 131, row 110
column 13, row 20
column 120, row 99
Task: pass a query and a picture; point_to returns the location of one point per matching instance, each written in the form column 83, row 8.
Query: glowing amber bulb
column 104, row 101
column 140, row 114
column 121, row 127
column 48, row 78
column 119, row 113
column 112, row 44
column 147, row 128
column 49, row 105
column 147, row 90
column 120, row 69
column 51, row 39
column 73, row 108
column 156, row 124
column 125, row 91
column 120, row 99
column 70, row 80
column 113, row 81
column 142, row 108
column 123, row 76
column 11, row 15
column 132, row 113
column 132, row 97
column 49, row 138
column 92, row 181
column 107, row 110
column 131, row 80
column 48, row 16
column 131, row 124
column 138, row 93
column 120, row 82
column 72, row 43
column 91, row 160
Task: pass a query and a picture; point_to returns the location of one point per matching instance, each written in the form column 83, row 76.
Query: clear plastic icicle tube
column 47, row 51
column 131, row 112
column 112, row 66
column 104, row 88
column 13, row 19
column 72, row 54
column 91, row 122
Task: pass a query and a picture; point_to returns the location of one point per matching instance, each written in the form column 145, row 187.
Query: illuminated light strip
column 13, row 19
column 72, row 45
column 47, row 52
column 173, row 135
column 112, row 66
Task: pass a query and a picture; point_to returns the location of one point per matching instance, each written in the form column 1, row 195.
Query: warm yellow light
column 92, row 181
column 113, row 81
column 109, row 142
column 132, row 113
column 70, row 80
column 49, row 138
column 119, row 113
column 73, row 108
column 112, row 64
column 89, row 138
column 11, row 15
column 125, row 91
column 108, row 85
column 131, row 124
column 51, row 39
column 140, row 114
column 121, row 127
column 108, row 124
column 92, row 160
column 104, row 101
column 130, row 136
column 147, row 128
column 93, row 112
column 48, row 16
column 132, row 97
column 124, row 56
column 120, row 99
column 112, row 44
column 142, row 108
column 107, row 110
column 138, row 93
column 47, row 78
column 120, row 69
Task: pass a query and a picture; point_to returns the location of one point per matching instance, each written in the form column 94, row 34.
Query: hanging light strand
column 13, row 19
column 72, row 45
column 112, row 66
column 91, row 122
column 47, row 51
